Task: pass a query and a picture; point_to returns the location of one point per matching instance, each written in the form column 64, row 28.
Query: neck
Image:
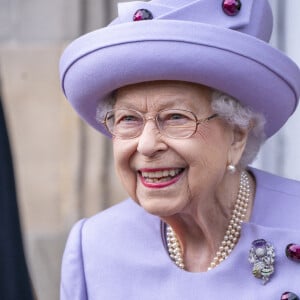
column 200, row 229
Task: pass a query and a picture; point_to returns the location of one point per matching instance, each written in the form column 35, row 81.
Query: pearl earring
column 231, row 168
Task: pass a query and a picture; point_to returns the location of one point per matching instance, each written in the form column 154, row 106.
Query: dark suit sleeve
column 14, row 277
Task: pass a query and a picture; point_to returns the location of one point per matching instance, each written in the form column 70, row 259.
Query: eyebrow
column 174, row 102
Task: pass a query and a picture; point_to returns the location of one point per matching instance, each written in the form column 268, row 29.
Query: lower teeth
column 155, row 180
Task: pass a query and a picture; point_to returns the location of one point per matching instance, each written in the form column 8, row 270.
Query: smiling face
column 165, row 175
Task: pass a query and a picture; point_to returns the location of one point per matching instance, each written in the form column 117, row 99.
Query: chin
column 160, row 208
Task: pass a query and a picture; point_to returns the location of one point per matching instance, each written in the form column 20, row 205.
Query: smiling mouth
column 160, row 176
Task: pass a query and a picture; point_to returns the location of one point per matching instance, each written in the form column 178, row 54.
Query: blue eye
column 170, row 118
column 177, row 116
column 128, row 119
column 125, row 117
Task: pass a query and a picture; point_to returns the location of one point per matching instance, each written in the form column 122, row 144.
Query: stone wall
column 64, row 169
column 280, row 154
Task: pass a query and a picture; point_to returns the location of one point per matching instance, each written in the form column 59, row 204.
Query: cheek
column 207, row 160
column 122, row 155
column 214, row 145
column 206, row 155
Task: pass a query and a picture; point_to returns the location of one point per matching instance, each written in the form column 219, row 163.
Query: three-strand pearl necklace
column 231, row 236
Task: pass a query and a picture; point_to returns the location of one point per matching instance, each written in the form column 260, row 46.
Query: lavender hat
column 219, row 43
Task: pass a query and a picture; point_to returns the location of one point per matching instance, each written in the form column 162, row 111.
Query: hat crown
column 254, row 18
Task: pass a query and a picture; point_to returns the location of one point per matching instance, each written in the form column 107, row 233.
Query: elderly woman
column 188, row 91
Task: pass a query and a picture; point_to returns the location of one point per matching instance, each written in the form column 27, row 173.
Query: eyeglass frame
column 155, row 119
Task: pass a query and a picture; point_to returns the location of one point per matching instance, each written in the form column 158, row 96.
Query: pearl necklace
column 232, row 233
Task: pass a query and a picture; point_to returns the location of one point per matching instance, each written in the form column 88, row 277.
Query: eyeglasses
column 174, row 123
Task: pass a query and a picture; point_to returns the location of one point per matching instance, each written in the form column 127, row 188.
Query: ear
column 239, row 141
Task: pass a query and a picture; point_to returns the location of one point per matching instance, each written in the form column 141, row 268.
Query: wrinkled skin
column 198, row 201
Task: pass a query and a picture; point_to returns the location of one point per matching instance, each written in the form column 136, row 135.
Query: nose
column 151, row 141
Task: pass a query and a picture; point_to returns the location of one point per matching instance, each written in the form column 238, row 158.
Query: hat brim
column 246, row 68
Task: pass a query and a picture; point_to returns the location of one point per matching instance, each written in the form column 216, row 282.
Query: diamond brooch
column 262, row 258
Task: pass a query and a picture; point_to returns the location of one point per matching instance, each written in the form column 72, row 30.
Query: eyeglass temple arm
column 207, row 119
column 211, row 117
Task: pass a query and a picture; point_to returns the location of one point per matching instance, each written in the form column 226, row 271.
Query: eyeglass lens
column 129, row 123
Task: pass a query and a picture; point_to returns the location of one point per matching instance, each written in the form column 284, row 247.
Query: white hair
column 230, row 110
column 104, row 106
column 235, row 114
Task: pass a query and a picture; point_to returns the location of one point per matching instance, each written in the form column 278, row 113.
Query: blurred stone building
column 64, row 170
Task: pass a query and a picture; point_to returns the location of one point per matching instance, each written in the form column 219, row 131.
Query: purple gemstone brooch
column 262, row 258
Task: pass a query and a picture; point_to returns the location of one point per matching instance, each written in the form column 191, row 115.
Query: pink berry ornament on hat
column 231, row 7
column 142, row 14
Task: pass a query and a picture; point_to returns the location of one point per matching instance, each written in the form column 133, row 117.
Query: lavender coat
column 119, row 254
